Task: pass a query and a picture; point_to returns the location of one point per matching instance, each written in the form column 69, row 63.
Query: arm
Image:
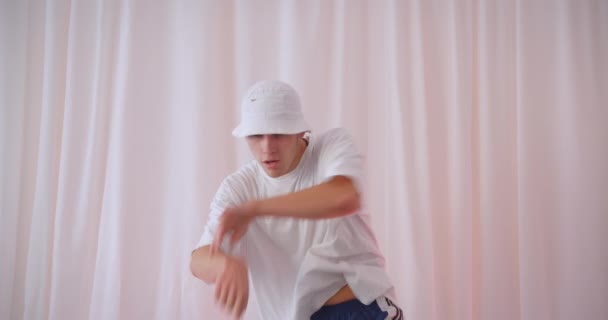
column 334, row 198
column 207, row 266
column 229, row 274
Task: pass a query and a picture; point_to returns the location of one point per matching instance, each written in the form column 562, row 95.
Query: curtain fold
column 482, row 123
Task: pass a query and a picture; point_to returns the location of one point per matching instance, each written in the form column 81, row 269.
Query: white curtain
column 483, row 124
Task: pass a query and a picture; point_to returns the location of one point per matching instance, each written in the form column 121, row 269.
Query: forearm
column 334, row 198
column 207, row 266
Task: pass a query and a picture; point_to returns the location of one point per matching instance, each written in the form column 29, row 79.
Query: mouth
column 271, row 164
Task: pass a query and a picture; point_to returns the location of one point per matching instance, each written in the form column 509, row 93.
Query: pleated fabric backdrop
column 483, row 125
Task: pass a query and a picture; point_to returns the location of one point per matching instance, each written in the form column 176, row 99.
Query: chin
column 274, row 173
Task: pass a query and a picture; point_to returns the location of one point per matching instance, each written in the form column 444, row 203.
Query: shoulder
column 336, row 132
column 240, row 182
column 244, row 175
column 335, row 137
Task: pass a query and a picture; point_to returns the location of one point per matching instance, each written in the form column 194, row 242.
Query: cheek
column 255, row 150
column 287, row 149
column 290, row 150
column 259, row 154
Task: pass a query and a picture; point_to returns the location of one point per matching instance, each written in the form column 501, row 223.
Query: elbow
column 195, row 268
column 347, row 199
column 348, row 203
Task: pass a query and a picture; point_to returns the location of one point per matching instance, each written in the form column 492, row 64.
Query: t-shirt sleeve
column 224, row 197
column 340, row 157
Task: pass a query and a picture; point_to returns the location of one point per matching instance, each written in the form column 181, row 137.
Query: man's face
column 278, row 154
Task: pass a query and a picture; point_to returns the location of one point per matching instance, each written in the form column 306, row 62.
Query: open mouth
column 271, row 163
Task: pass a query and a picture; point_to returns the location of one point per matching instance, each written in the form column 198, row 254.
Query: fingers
column 237, row 300
column 232, row 289
column 231, row 296
column 230, row 299
column 242, row 293
column 240, row 303
column 237, row 235
column 231, row 224
column 238, row 307
column 219, row 289
column 224, row 295
column 219, row 236
column 214, row 245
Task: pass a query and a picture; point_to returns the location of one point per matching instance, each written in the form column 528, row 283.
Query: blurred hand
column 232, row 287
column 234, row 221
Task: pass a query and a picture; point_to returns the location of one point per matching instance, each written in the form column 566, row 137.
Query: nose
column 268, row 143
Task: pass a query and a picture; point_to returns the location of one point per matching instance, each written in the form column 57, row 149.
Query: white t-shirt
column 297, row 264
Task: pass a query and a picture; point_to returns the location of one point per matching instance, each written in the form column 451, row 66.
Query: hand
column 232, row 287
column 235, row 221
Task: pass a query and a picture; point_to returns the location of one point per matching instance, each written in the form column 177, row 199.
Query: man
column 291, row 218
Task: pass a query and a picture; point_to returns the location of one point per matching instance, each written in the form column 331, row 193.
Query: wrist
column 232, row 263
column 219, row 262
column 254, row 208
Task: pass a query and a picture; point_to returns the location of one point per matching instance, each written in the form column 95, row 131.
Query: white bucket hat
column 271, row 107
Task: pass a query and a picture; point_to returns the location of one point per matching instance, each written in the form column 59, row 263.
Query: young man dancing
column 292, row 220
